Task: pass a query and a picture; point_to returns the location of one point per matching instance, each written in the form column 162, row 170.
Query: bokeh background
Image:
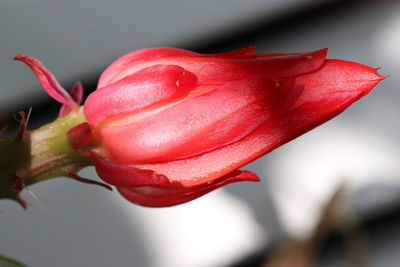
column 332, row 195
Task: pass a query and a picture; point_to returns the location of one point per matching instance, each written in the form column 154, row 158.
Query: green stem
column 40, row 155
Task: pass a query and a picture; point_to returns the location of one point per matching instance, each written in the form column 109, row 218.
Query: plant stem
column 39, row 155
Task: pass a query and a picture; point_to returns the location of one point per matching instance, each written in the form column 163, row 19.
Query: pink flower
column 168, row 125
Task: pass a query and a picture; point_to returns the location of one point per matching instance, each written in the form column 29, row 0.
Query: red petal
column 139, row 56
column 194, row 126
column 126, row 175
column 48, row 81
column 151, row 87
column 340, row 78
column 164, row 197
column 79, row 135
column 216, row 69
column 136, row 57
column 328, row 100
column 217, row 118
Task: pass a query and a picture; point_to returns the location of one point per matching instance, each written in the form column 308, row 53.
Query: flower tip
column 379, row 76
column 323, row 52
column 247, row 176
column 23, row 57
column 19, row 57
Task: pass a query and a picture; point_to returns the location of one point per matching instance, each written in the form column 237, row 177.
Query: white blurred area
column 213, row 231
column 84, row 225
column 310, row 171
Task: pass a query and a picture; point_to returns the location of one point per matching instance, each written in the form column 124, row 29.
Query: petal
column 164, row 196
column 79, row 135
column 141, row 55
column 48, row 81
column 77, row 95
column 151, row 87
column 217, row 69
column 196, row 125
column 136, row 57
column 331, row 98
column 339, row 77
column 125, row 175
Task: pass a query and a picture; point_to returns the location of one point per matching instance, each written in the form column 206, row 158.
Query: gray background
column 83, row 225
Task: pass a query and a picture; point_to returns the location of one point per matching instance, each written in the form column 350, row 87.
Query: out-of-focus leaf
column 8, row 262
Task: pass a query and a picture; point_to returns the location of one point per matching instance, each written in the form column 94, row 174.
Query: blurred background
column 329, row 198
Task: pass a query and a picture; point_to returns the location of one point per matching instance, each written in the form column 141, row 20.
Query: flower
column 166, row 125
column 172, row 125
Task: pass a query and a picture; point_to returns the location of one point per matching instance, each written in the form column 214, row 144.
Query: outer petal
column 214, row 119
column 136, row 57
column 217, row 69
column 151, row 87
column 329, row 99
column 79, row 135
column 126, row 175
column 164, row 196
column 48, row 81
column 196, row 125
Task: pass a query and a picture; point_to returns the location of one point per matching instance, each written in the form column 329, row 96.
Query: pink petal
column 135, row 57
column 151, row 87
column 139, row 56
column 211, row 120
column 216, row 70
column 199, row 63
column 196, row 125
column 48, row 81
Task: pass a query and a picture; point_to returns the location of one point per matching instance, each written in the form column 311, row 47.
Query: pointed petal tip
column 20, row 57
column 245, row 176
column 379, row 76
column 88, row 181
column 323, row 53
column 27, row 59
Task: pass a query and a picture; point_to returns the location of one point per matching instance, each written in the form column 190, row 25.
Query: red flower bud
column 171, row 125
